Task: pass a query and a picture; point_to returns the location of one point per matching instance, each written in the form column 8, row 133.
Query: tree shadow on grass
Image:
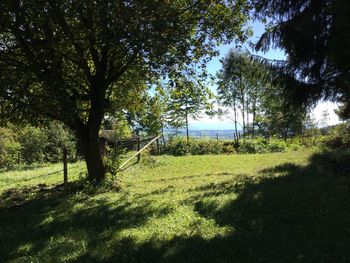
column 49, row 224
column 293, row 214
column 289, row 214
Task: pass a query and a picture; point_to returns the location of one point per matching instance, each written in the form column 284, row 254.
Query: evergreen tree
column 315, row 36
column 188, row 99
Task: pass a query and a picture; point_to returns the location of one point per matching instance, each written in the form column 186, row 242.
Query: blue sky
column 206, row 123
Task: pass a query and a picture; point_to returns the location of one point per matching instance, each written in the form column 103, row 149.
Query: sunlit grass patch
column 218, row 208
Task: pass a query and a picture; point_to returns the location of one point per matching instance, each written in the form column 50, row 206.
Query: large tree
column 71, row 60
column 315, row 36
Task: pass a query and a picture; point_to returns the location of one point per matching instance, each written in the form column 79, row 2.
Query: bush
column 261, row 145
column 59, row 137
column 258, row 145
column 275, row 145
column 229, row 147
column 338, row 137
column 294, row 146
column 33, row 143
column 206, row 146
column 9, row 148
column 179, row 147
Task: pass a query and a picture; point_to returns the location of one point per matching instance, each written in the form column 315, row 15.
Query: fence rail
column 139, row 151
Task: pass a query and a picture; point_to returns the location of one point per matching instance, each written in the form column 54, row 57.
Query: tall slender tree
column 188, row 99
column 241, row 82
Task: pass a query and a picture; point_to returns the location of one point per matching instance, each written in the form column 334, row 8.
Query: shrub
column 275, row 145
column 294, row 146
column 229, row 147
column 59, row 137
column 177, row 146
column 9, row 148
column 261, row 145
column 113, row 159
column 33, row 143
column 206, row 146
column 252, row 146
column 339, row 136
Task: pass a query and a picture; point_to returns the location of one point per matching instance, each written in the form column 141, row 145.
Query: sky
column 207, row 123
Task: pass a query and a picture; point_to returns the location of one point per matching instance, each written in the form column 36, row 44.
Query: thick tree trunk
column 93, row 154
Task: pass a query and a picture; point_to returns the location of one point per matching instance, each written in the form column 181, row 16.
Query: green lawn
column 278, row 207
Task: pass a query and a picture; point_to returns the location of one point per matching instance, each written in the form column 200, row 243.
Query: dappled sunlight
column 283, row 213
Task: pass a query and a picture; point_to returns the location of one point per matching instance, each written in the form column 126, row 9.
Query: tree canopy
column 187, row 98
column 314, row 35
column 72, row 60
column 245, row 86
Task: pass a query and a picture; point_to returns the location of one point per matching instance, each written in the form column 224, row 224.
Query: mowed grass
column 279, row 207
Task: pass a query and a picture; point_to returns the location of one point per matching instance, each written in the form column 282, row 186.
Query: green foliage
column 275, row 145
column 75, row 62
column 314, row 36
column 261, row 145
column 209, row 208
column 338, row 136
column 178, row 146
column 151, row 117
column 148, row 160
column 9, row 148
column 245, row 86
column 33, row 144
column 112, row 160
column 122, row 129
column 188, row 98
column 58, row 138
column 206, row 146
column 252, row 146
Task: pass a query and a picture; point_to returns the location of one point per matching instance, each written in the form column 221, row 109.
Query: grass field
column 278, row 207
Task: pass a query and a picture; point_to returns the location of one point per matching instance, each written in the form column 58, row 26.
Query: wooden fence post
column 217, row 137
column 65, row 168
column 158, row 149
column 138, row 149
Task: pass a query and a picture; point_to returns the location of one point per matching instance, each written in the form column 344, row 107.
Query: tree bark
column 247, row 114
column 93, row 155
